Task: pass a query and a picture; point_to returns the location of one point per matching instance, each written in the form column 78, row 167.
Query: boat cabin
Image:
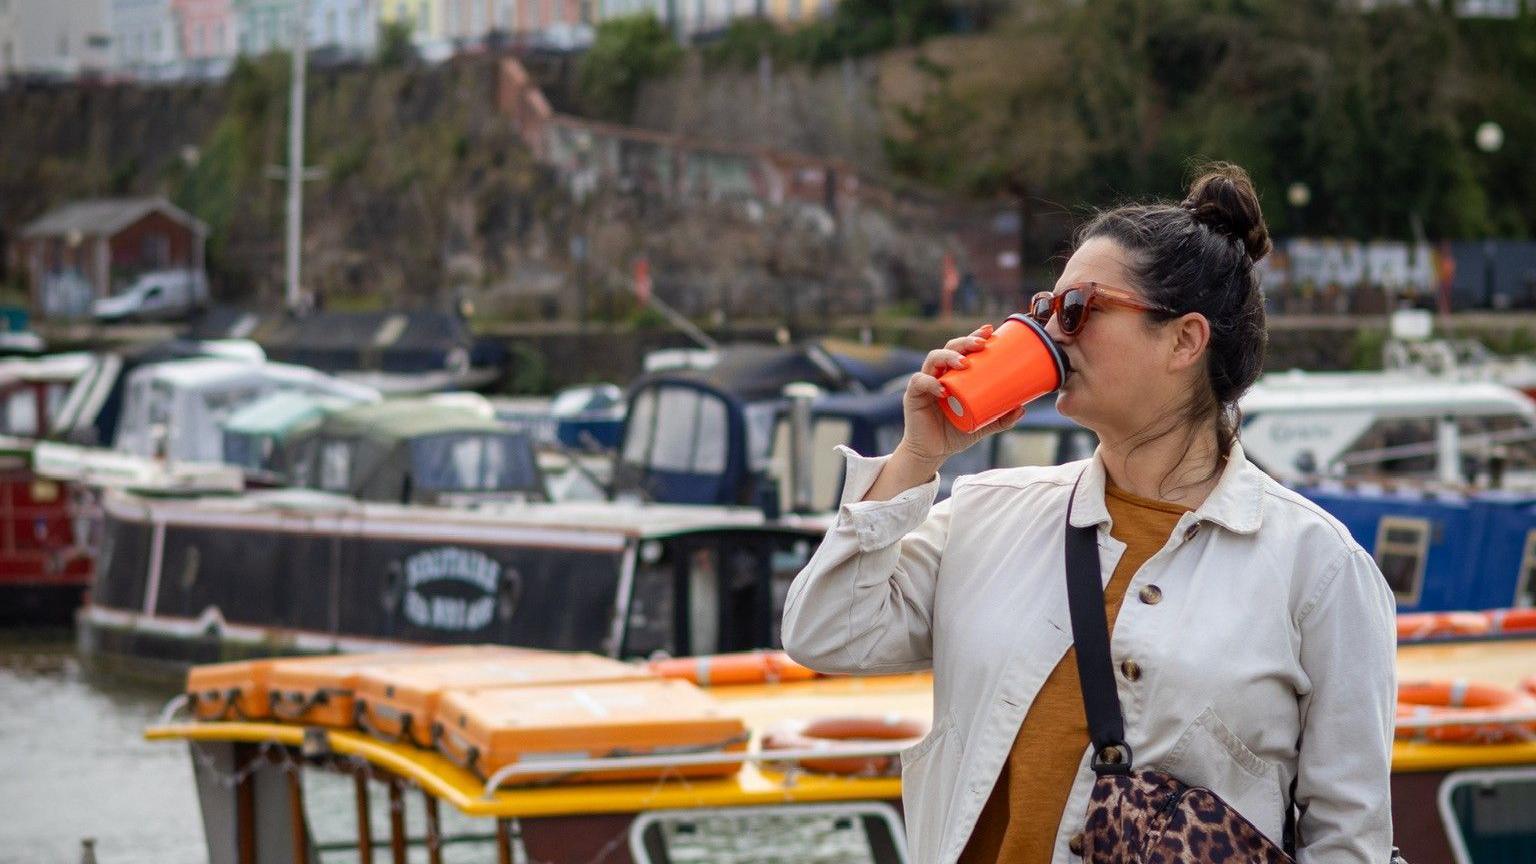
column 174, row 409
column 415, row 450
column 254, row 435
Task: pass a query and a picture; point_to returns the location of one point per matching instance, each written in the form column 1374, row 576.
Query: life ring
column 725, row 670
column 1512, row 620
column 834, row 733
column 1448, row 700
column 1424, row 625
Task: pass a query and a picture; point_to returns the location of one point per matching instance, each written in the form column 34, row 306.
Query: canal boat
column 198, row 578
column 814, row 778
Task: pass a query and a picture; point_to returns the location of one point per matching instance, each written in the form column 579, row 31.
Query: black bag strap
column 1090, row 633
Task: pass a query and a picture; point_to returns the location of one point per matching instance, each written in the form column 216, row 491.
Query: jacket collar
column 1236, row 503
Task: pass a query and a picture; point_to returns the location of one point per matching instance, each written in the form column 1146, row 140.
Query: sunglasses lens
column 1040, row 309
column 1073, row 309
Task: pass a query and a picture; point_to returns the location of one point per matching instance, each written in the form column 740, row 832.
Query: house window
column 1402, row 546
column 1525, row 583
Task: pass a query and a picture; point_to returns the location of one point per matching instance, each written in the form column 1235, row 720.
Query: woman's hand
column 929, row 438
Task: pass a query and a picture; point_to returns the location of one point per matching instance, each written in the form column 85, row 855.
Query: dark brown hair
column 1199, row 256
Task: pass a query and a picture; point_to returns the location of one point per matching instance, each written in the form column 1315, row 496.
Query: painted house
column 58, row 39
column 346, row 27
column 82, row 251
column 703, row 17
column 144, row 38
column 207, row 35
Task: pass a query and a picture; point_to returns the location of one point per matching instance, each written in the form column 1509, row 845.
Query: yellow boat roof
column 765, row 706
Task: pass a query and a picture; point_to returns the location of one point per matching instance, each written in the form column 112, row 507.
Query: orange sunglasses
column 1070, row 305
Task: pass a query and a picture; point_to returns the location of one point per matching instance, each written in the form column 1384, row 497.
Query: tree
column 624, row 52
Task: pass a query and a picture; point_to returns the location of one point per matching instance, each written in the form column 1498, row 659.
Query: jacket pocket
column 1209, row 754
column 927, row 779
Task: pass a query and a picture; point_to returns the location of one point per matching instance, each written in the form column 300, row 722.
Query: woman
column 1254, row 648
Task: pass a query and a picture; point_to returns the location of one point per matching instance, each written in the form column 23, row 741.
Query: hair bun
column 1223, row 198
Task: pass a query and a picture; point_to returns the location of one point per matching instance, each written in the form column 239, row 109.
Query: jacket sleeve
column 1349, row 652
column 864, row 602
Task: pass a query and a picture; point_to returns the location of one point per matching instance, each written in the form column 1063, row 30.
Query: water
column 74, row 764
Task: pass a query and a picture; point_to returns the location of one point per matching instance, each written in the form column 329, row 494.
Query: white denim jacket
column 1265, row 636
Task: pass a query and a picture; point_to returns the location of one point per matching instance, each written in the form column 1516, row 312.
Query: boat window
column 1525, row 586
column 473, row 462
column 21, row 413
column 1402, row 545
column 639, row 429
column 677, row 424
column 704, row 602
column 650, row 625
column 826, row 462
column 335, row 466
column 786, row 560
column 862, row 833
column 1490, row 816
column 1020, row 447
column 712, row 438
column 760, row 418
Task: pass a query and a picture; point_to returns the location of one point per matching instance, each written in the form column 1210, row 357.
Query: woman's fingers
column 1004, row 422
column 967, row 344
column 925, row 384
column 943, row 358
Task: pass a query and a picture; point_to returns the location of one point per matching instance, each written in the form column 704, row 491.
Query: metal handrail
column 680, row 760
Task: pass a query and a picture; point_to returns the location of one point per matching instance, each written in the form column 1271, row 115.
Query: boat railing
column 568, row 768
column 1430, row 448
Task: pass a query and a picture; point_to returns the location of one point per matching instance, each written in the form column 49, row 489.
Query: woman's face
column 1125, row 373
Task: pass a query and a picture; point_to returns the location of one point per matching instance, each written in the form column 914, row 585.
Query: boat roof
column 215, row 373
column 1382, row 394
column 413, row 418
column 586, row 523
column 52, row 368
column 278, row 413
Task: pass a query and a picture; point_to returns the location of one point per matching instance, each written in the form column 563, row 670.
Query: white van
column 158, row 294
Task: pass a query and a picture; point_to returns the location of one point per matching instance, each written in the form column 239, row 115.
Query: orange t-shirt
column 1019, row 822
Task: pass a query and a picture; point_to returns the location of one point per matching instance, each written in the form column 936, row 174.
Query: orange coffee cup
column 1018, row 364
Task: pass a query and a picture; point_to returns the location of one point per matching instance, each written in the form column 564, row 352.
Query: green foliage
column 624, row 52
column 1373, row 111
column 854, row 29
column 527, row 372
column 395, row 48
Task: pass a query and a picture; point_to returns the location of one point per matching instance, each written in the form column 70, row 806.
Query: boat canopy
column 253, row 433
column 419, row 449
column 174, row 409
column 1301, row 424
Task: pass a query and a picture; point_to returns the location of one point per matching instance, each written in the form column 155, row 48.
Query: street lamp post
column 1489, row 138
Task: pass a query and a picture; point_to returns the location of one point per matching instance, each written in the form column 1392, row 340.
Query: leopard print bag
column 1149, row 817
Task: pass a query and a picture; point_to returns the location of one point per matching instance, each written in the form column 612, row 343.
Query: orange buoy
column 832, row 733
column 1424, row 625
column 724, row 670
column 1513, row 620
column 1482, row 704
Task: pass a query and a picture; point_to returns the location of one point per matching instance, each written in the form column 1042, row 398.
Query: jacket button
column 1131, row 670
column 1077, row 843
column 1151, row 595
column 1191, row 531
